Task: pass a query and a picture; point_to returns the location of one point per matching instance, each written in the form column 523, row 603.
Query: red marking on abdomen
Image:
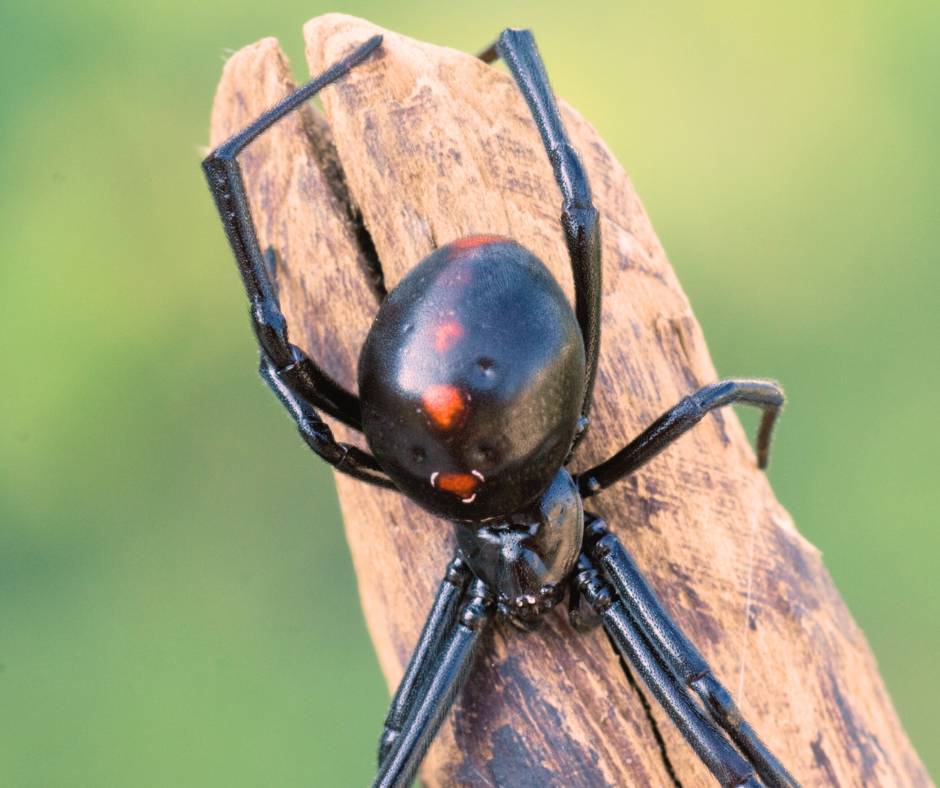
column 446, row 336
column 462, row 484
column 473, row 241
column 444, row 406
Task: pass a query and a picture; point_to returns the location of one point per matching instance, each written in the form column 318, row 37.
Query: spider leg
column 722, row 760
column 438, row 626
column 579, row 219
column 300, row 373
column 318, row 436
column 764, row 394
column 438, row 691
column 646, row 614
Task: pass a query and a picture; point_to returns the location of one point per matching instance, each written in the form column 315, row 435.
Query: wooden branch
column 425, row 145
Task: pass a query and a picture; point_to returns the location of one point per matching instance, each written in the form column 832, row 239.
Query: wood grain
column 422, row 145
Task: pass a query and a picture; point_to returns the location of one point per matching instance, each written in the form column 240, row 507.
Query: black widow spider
column 476, row 382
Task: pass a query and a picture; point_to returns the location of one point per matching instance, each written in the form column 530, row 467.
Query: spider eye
column 418, row 454
column 485, row 364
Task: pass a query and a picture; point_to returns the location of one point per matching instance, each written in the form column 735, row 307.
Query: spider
column 475, row 384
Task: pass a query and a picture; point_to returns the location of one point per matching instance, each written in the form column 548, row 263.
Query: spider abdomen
column 471, row 380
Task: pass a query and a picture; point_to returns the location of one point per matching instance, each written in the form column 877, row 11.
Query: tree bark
column 422, row 145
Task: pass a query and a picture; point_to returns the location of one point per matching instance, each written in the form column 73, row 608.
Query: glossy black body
column 527, row 556
column 473, row 372
column 476, row 383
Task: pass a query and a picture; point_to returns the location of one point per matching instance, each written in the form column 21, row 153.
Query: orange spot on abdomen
column 446, row 336
column 462, row 484
column 473, row 241
column 444, row 406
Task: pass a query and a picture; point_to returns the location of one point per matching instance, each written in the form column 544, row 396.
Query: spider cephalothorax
column 476, row 381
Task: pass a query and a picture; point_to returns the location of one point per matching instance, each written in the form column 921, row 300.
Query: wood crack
column 331, row 166
column 648, row 711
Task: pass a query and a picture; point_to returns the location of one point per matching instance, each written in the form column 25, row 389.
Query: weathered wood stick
column 422, row 145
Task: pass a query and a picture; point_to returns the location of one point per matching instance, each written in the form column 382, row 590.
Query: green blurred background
column 177, row 606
